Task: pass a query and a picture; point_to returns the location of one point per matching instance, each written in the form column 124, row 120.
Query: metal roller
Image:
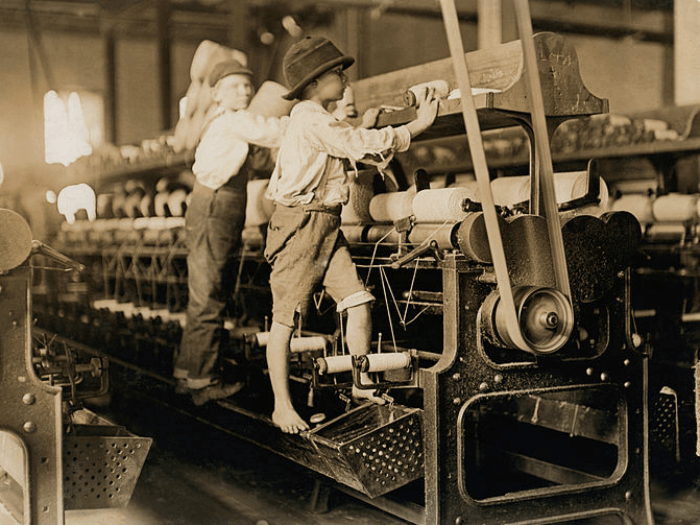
column 545, row 319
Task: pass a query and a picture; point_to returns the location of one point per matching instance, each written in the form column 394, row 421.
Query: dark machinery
column 506, row 343
column 54, row 454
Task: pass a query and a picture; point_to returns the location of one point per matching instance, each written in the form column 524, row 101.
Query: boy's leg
column 214, row 223
column 358, row 338
column 283, row 415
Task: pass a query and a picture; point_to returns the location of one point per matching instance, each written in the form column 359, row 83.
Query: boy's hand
column 426, row 112
column 369, row 118
column 427, row 107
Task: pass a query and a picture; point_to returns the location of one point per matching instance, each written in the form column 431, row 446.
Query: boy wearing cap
column 233, row 145
column 309, row 186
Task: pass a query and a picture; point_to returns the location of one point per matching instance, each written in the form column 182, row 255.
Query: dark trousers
column 214, row 221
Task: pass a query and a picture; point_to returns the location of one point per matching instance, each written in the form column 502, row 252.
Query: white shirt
column 310, row 161
column 224, row 145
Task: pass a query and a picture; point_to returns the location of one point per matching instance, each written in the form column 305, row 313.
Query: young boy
column 232, row 146
column 309, row 186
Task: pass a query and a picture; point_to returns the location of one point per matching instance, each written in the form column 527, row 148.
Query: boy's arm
column 340, row 139
column 257, row 129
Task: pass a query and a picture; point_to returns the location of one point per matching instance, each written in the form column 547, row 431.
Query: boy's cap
column 226, row 68
column 308, row 59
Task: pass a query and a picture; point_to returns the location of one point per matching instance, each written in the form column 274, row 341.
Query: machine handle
column 39, row 248
column 431, row 247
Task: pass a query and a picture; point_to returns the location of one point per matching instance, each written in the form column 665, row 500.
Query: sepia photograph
column 349, row 262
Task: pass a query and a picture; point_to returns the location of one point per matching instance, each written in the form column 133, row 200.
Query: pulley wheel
column 545, row 319
column 15, row 240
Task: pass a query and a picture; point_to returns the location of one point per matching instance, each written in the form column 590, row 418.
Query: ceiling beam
column 592, row 18
column 196, row 22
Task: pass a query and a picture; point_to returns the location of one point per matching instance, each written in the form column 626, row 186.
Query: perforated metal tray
column 101, row 465
column 373, row 449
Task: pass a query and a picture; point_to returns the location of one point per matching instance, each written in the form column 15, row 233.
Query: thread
column 268, row 100
column 361, row 194
column 508, row 191
column 177, row 202
column 444, row 204
column 296, row 344
column 638, row 205
column 391, row 207
column 172, row 223
column 675, row 207
column 442, row 90
column 384, row 362
column 307, row 344
column 261, row 338
column 334, row 364
column 664, row 232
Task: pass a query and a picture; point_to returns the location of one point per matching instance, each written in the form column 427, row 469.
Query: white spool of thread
column 361, row 194
column 444, row 204
column 177, row 202
column 391, row 207
column 675, row 207
column 296, row 344
column 173, row 223
column 568, row 185
column 384, row 362
column 261, row 338
column 441, row 87
column 256, row 213
column 307, row 344
column 508, row 191
column 665, row 231
column 638, row 205
column 334, row 364
column 268, row 100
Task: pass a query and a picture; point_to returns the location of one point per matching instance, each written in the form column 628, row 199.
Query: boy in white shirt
column 310, row 185
column 233, row 146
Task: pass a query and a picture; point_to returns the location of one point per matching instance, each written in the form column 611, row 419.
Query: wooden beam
column 490, row 23
column 163, row 24
column 686, row 56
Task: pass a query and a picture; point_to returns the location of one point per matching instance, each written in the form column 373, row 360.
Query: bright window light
column 72, row 125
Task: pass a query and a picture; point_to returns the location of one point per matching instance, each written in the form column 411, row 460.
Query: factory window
column 73, row 125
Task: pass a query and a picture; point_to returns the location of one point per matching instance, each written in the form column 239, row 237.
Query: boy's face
column 233, row 92
column 331, row 85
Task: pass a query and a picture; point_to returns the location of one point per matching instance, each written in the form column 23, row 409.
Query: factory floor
column 189, row 489
column 202, row 476
column 207, row 478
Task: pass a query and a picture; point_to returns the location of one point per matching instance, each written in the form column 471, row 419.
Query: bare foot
column 362, row 394
column 289, row 421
